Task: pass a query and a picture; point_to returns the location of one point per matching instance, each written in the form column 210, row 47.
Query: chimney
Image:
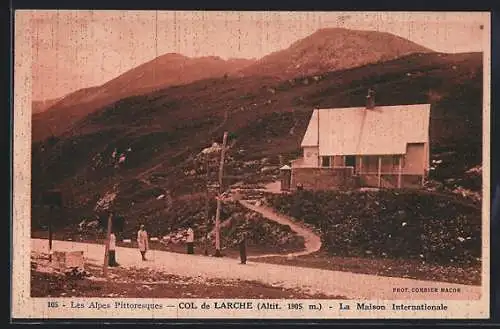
column 370, row 99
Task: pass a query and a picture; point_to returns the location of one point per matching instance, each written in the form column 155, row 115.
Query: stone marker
column 64, row 260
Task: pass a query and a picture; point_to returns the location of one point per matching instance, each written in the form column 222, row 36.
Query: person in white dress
column 142, row 241
column 112, row 251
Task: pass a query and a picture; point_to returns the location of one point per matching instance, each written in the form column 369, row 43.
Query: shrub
column 389, row 223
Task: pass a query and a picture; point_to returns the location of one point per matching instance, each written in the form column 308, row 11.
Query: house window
column 395, row 160
column 325, row 161
column 350, row 161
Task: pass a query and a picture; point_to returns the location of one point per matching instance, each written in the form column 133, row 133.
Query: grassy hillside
column 164, row 71
column 161, row 133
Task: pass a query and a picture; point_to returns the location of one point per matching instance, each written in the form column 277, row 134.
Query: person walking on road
column 142, row 241
column 243, row 250
column 112, row 251
column 190, row 241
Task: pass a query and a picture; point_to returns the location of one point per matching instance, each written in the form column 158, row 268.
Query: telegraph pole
column 106, row 250
column 219, row 201
column 207, row 203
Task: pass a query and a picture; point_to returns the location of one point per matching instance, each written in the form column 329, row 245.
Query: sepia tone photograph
column 256, row 155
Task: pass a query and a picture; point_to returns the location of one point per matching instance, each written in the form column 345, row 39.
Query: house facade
column 372, row 146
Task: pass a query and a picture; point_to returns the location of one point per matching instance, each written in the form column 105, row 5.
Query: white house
column 379, row 146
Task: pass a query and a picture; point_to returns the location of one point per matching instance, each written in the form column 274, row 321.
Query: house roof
column 356, row 130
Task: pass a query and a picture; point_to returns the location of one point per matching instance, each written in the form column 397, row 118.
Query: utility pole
column 219, row 201
column 207, row 203
column 106, row 250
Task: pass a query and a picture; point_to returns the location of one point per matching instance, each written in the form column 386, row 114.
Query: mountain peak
column 170, row 57
column 330, row 49
column 214, row 58
column 332, row 30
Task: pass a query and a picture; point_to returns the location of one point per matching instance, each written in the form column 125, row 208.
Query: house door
column 350, row 161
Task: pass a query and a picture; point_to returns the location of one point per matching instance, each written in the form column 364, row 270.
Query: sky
column 79, row 49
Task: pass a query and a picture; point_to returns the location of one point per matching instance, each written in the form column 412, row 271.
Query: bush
column 388, row 223
column 259, row 232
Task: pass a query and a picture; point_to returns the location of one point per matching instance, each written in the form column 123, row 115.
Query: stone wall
column 323, row 178
column 390, row 180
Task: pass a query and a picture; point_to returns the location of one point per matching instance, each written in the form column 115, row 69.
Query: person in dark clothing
column 190, row 241
column 243, row 250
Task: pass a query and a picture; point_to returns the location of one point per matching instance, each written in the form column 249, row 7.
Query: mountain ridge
column 323, row 51
column 330, row 49
column 167, row 70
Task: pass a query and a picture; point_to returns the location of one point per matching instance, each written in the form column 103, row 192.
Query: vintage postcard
column 225, row 164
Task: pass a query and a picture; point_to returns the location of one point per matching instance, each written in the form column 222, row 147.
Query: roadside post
column 219, row 198
column 207, row 203
column 52, row 198
column 106, row 204
column 106, row 249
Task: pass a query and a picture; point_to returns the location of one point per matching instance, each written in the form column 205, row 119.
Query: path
column 312, row 241
column 331, row 283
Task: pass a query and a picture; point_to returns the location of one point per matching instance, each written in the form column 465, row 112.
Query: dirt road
column 331, row 283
